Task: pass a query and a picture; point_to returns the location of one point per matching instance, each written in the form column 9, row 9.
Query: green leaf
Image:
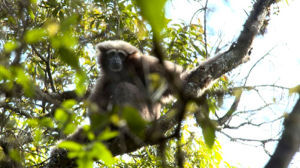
column 99, row 121
column 69, row 57
column 134, row 120
column 5, row 73
column 25, row 82
column 61, row 115
column 35, row 35
column 81, row 83
column 15, row 155
column 100, row 152
column 33, row 1
column 76, row 154
column 33, row 122
column 65, row 40
column 107, row 134
column 70, row 145
column 68, row 104
column 47, row 122
column 10, row 46
column 153, row 12
column 69, row 128
column 31, row 14
column 209, row 134
column 68, row 22
column 85, row 162
column 37, row 136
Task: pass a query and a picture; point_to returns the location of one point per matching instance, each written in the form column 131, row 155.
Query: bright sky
column 282, row 66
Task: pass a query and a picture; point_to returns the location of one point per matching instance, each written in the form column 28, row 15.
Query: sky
column 281, row 66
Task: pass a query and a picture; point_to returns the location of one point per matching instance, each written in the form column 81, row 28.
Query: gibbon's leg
column 127, row 94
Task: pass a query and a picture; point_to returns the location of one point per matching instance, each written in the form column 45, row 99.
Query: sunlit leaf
column 25, row 82
column 116, row 120
column 10, row 45
column 37, row 135
column 68, row 22
column 47, row 122
column 69, row 57
column 209, row 134
column 61, row 115
column 33, row 122
column 70, row 145
column 85, row 162
column 153, row 12
column 35, row 35
column 102, row 153
column 134, row 120
column 81, row 83
column 31, row 14
column 68, row 104
column 52, row 29
column 15, row 155
column 70, row 128
column 107, row 134
column 33, row 1
column 5, row 73
column 76, row 154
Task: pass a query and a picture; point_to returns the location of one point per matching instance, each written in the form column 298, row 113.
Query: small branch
column 47, row 62
column 264, row 56
column 38, row 54
column 205, row 34
column 252, row 124
column 48, row 69
column 263, row 141
column 253, row 110
column 232, row 109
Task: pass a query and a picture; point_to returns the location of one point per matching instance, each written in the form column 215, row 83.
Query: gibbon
column 123, row 80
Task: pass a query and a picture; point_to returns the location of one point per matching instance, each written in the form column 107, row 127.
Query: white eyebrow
column 110, row 51
column 123, row 52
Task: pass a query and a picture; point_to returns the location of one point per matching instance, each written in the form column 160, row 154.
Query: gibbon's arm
column 98, row 97
column 154, row 66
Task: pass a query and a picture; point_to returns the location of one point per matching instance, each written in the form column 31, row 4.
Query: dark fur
column 128, row 86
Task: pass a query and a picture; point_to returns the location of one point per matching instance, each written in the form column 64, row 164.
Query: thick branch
column 290, row 141
column 215, row 67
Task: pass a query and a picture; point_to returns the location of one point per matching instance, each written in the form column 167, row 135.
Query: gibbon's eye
column 122, row 55
column 111, row 53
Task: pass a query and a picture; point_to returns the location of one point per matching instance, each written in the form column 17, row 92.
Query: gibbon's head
column 112, row 54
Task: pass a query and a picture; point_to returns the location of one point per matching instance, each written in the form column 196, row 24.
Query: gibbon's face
column 115, row 60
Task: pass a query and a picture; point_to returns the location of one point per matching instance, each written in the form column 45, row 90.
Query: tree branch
column 290, row 141
column 212, row 69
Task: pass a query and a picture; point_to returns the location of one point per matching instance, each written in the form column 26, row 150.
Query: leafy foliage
column 196, row 153
column 47, row 68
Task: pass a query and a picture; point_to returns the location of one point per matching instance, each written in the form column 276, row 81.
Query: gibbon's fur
column 123, row 79
column 122, row 82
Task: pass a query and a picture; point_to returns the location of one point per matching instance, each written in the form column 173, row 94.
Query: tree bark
column 290, row 141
